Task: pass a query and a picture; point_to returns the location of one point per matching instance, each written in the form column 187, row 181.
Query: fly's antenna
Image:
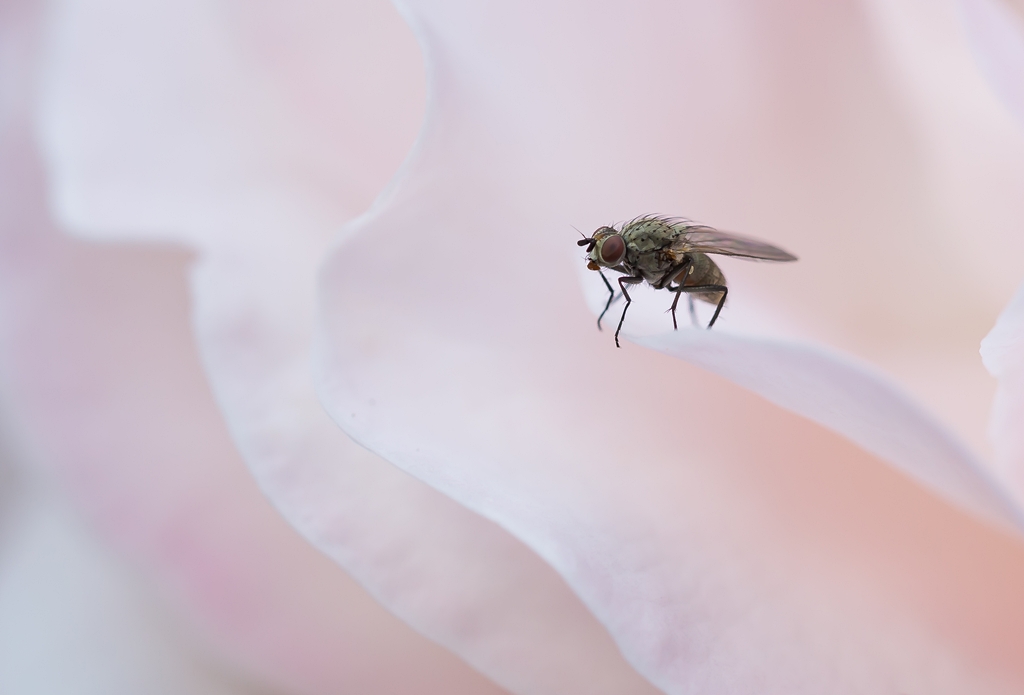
column 589, row 242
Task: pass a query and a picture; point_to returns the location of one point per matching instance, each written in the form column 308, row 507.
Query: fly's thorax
column 647, row 248
column 648, row 236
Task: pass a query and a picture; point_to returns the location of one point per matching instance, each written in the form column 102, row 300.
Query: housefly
column 671, row 254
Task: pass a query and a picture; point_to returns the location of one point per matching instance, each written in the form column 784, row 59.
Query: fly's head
column 605, row 249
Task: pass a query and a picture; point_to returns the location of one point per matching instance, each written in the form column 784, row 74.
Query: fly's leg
column 623, row 281
column 611, row 298
column 721, row 303
column 684, row 270
column 699, row 289
column 693, row 311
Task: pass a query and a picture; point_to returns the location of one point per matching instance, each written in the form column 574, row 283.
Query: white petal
column 854, row 401
column 1003, row 354
column 175, row 120
column 997, row 30
column 194, row 145
column 103, row 387
column 74, row 619
column 729, row 546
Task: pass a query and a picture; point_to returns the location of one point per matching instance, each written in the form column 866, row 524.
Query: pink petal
column 172, row 120
column 728, row 545
column 101, row 373
column 1003, row 354
column 970, row 171
column 996, row 28
column 697, row 522
column 102, row 381
column 854, row 401
column 263, row 227
column 454, row 576
column 74, row 619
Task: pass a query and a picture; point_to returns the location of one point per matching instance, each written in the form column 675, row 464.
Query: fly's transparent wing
column 708, row 240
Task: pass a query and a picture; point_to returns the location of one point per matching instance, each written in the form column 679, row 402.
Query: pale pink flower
column 819, row 530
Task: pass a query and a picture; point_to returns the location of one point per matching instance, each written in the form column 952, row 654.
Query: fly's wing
column 708, row 240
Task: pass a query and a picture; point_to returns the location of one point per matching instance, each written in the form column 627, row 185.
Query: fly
column 671, row 254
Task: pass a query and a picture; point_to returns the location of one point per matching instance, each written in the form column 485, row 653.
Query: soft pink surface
column 102, row 376
column 77, row 616
column 213, row 121
column 728, row 545
column 1003, row 353
column 996, row 28
column 249, row 148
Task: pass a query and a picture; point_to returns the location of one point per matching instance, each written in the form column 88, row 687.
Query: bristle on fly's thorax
column 648, row 243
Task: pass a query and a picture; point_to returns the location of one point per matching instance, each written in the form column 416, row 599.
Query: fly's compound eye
column 612, row 249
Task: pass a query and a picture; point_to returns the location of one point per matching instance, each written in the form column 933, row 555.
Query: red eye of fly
column 613, row 249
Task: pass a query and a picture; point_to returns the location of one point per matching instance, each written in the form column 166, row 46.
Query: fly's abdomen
column 705, row 272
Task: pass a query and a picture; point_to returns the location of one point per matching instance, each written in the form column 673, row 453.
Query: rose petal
column 698, row 524
column 100, row 369
column 728, row 545
column 453, row 575
column 854, row 401
column 996, row 28
column 149, row 140
column 1003, row 354
column 73, row 619
column 971, row 154
column 456, row 577
column 103, row 386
